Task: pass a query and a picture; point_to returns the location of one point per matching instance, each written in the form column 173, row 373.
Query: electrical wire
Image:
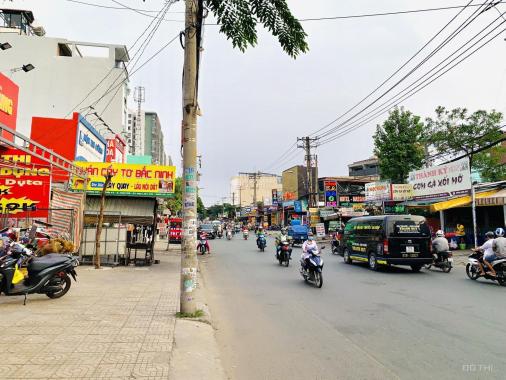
column 424, row 83
column 448, row 39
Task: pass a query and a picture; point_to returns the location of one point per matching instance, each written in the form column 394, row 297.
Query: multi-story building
column 145, row 136
column 68, row 76
column 242, row 188
column 369, row 167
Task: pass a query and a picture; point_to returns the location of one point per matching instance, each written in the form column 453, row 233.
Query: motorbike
column 473, row 268
column 311, row 270
column 284, row 253
column 229, row 234
column 21, row 273
column 202, row 246
column 262, row 242
column 442, row 260
column 335, row 247
column 219, row 234
column 245, row 235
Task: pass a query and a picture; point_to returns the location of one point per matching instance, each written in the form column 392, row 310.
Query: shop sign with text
column 377, row 191
column 441, row 181
column 25, row 186
column 9, row 92
column 129, row 179
column 330, row 193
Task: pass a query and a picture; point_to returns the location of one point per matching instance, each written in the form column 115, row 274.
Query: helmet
column 440, row 233
column 490, row 235
column 283, row 230
column 499, row 232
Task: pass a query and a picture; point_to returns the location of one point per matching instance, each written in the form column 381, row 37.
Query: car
column 208, row 228
column 386, row 240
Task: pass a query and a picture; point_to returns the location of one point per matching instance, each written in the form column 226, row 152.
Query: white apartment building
column 69, row 76
column 145, row 136
column 242, row 187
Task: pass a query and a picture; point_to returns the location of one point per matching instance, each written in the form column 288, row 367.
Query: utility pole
column 255, row 176
column 139, row 97
column 307, row 144
column 189, row 140
column 100, row 221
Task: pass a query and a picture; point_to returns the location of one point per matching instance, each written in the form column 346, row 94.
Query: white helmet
column 499, row 232
column 440, row 233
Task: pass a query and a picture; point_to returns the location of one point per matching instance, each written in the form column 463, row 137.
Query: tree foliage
column 215, row 211
column 238, row 20
column 399, row 145
column 490, row 164
column 456, row 132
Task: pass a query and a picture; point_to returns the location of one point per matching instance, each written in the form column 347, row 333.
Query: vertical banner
column 330, row 193
column 9, row 92
column 274, row 197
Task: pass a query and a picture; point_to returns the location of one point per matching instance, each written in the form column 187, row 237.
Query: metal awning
column 459, row 201
column 126, row 210
column 497, row 199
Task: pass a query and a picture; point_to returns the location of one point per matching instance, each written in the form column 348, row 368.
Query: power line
column 120, row 8
column 459, row 29
column 426, row 82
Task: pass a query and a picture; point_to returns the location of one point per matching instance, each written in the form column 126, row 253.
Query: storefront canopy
column 460, row 201
column 497, row 199
column 123, row 210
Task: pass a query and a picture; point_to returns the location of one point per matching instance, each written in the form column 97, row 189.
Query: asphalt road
column 359, row 325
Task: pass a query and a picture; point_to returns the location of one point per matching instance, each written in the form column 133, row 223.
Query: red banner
column 8, row 104
column 25, row 184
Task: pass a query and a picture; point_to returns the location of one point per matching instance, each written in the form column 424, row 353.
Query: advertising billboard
column 274, row 197
column 90, row 146
column 116, row 148
column 442, row 181
column 127, row 179
column 330, row 193
column 402, row 192
column 377, row 191
column 9, row 92
column 25, row 185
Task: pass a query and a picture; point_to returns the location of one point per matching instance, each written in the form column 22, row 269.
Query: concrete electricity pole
column 100, row 222
column 190, row 182
column 307, row 144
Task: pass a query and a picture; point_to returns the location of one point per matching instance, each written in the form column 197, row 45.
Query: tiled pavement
column 112, row 324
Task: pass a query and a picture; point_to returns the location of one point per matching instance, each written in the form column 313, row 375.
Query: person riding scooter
column 260, row 232
column 488, row 254
column 439, row 245
column 282, row 236
column 203, row 240
column 307, row 246
column 499, row 244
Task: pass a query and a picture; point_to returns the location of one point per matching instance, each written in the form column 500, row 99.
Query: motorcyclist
column 439, row 244
column 260, row 231
column 280, row 237
column 203, row 238
column 488, row 253
column 309, row 244
column 499, row 243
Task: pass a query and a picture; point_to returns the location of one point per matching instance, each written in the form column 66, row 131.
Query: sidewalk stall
column 131, row 209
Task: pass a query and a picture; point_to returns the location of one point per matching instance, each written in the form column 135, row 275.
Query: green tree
column 489, row 164
column 216, row 210
column 456, row 132
column 399, row 145
column 238, row 20
column 175, row 203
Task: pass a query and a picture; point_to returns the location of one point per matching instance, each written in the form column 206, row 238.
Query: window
column 64, row 50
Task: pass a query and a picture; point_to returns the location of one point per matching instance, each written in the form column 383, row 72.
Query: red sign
column 115, row 150
column 25, row 185
column 9, row 92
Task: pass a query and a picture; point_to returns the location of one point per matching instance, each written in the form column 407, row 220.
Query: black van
column 388, row 239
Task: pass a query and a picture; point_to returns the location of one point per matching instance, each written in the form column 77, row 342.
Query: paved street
column 361, row 324
column 113, row 324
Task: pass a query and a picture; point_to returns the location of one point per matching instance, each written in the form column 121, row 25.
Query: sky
column 255, row 104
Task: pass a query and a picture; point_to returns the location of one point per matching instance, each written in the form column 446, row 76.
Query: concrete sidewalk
column 113, row 324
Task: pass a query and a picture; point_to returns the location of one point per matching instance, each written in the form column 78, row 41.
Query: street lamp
column 26, row 68
column 5, row 46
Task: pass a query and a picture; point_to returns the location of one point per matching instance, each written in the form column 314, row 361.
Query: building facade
column 369, row 167
column 145, row 136
column 242, row 189
column 68, row 76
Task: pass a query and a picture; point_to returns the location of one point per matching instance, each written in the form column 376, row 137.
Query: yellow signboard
column 127, row 179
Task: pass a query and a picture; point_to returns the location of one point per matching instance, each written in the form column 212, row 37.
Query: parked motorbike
column 311, row 269
column 442, row 260
column 262, row 242
column 284, row 254
column 473, row 268
column 21, row 273
column 229, row 234
column 202, row 246
column 245, row 234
